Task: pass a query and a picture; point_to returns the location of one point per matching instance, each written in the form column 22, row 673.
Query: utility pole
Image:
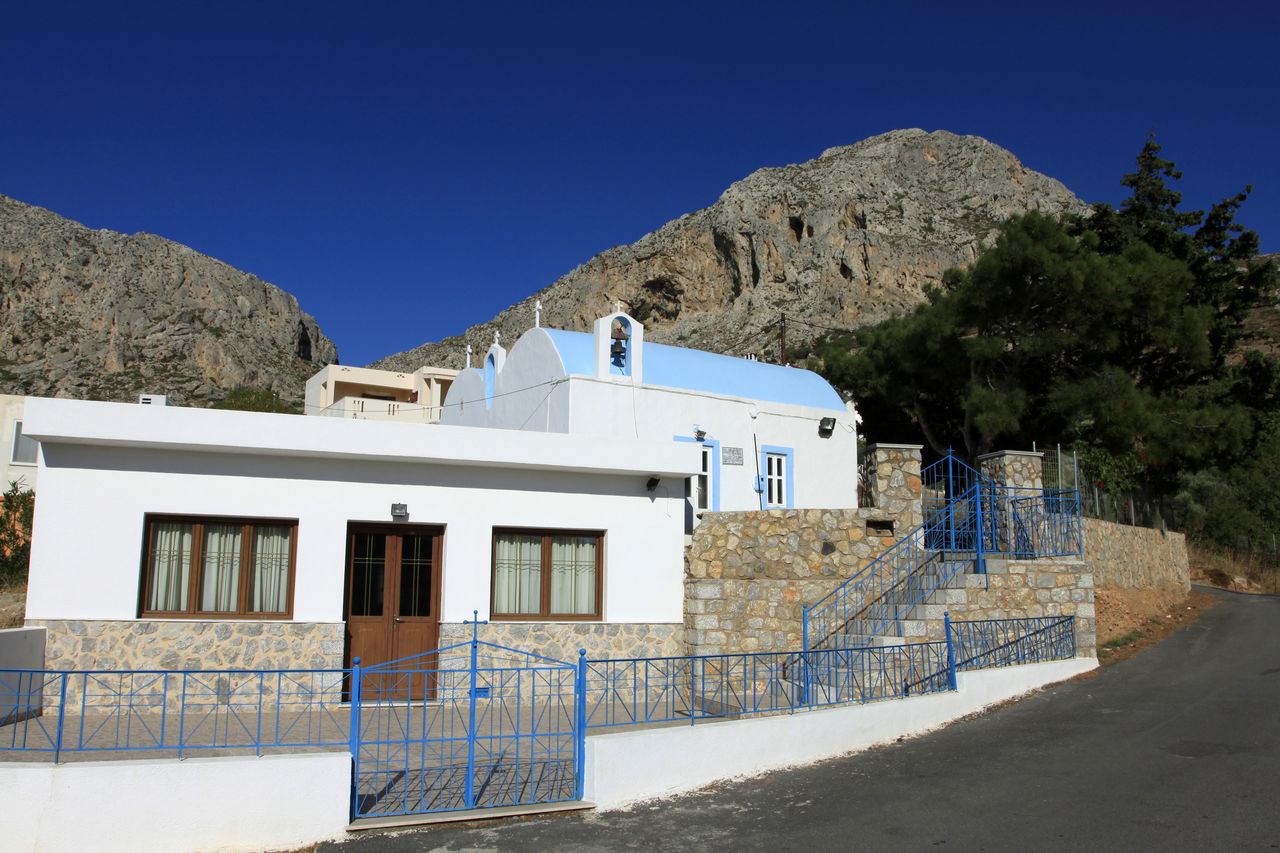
column 782, row 340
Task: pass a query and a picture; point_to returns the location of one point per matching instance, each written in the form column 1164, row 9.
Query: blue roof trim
column 696, row 370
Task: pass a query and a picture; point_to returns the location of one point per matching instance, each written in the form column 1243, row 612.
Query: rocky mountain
column 102, row 315
column 838, row 242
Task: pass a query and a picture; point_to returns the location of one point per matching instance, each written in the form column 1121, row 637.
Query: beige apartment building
column 340, row 391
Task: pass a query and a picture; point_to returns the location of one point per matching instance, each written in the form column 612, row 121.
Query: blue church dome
column 696, row 370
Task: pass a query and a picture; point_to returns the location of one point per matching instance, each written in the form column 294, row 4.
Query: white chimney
column 151, row 400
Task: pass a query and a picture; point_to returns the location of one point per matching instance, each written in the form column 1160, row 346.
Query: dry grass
column 1234, row 570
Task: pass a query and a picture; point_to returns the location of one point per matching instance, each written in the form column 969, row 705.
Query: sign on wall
column 731, row 456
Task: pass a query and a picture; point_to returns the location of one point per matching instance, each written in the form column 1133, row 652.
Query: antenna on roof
column 468, row 356
column 537, row 313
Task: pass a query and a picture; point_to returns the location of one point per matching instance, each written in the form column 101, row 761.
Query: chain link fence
column 1063, row 469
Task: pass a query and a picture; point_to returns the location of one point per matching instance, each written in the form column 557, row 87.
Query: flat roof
column 59, row 421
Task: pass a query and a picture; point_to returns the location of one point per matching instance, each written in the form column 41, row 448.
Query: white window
column 24, row 448
column 702, row 498
column 775, row 479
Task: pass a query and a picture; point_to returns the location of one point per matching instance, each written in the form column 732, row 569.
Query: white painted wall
column 87, row 542
column 278, row 802
column 20, row 648
column 825, row 469
column 626, row 767
column 526, row 393
column 97, row 488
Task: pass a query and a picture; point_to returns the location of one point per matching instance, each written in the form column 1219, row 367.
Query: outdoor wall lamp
column 826, row 426
column 652, row 484
column 699, row 434
column 400, row 512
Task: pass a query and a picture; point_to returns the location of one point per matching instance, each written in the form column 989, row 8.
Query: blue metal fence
column 59, row 712
column 640, row 691
column 1006, row 642
column 478, row 725
column 470, row 726
column 1013, row 521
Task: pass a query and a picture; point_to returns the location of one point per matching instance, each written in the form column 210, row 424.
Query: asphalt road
column 1176, row 748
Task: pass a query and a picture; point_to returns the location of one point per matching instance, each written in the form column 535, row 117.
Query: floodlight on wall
column 826, row 426
column 400, row 512
column 652, row 484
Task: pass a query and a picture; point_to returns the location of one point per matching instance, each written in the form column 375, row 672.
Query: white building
column 769, row 436
column 192, row 538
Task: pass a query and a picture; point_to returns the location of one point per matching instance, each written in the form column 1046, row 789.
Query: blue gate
column 469, row 726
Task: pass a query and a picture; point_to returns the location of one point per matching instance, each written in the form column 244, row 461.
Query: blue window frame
column 490, row 377
column 710, row 474
column 777, row 477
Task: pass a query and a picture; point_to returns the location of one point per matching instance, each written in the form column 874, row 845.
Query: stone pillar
column 893, row 480
column 1016, row 469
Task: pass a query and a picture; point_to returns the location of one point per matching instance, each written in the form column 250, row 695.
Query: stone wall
column 1127, row 557
column 1019, row 469
column 561, row 640
column 1015, row 589
column 749, row 575
column 893, row 481
column 179, row 644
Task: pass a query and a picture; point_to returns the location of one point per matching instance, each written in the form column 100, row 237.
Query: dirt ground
column 13, row 603
column 1129, row 620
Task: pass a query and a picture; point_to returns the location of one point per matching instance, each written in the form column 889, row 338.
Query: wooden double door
column 393, row 591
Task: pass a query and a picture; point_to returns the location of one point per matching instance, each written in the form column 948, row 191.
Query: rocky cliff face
column 839, row 242
column 102, row 315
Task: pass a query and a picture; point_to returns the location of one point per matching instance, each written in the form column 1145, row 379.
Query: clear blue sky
column 407, row 169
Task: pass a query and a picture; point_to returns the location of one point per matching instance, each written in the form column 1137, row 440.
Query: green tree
column 1119, row 330
column 248, row 399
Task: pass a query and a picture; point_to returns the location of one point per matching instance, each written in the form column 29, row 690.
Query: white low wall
column 278, row 802
column 20, row 648
column 626, row 767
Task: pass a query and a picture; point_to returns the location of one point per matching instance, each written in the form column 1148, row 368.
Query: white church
column 770, row 436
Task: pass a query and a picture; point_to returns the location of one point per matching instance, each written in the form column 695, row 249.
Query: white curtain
column 220, row 578
column 573, row 575
column 270, row 591
column 170, row 565
column 517, row 573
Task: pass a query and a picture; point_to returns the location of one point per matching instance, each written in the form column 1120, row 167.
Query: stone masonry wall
column 179, row 644
column 1014, row 468
column 561, row 640
column 152, row 644
column 893, row 480
column 1015, row 589
column 749, row 575
column 1125, row 557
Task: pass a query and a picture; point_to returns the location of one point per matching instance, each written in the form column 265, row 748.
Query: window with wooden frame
column 547, row 574
column 209, row 567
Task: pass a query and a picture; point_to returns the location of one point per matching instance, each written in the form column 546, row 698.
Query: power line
column 823, row 328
